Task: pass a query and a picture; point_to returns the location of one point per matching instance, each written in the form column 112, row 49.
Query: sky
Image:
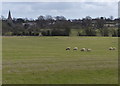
column 70, row 10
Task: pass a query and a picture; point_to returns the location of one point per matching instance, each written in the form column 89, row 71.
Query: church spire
column 9, row 20
column 9, row 16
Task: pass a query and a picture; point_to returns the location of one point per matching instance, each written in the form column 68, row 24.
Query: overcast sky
column 71, row 10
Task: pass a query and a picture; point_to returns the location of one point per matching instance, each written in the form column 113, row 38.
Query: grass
column 44, row 60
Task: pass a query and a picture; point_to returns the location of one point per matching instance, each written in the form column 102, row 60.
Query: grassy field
column 44, row 60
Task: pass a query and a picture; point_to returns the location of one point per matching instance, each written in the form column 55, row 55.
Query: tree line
column 60, row 26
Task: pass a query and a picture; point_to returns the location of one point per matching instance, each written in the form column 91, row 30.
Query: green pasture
column 44, row 60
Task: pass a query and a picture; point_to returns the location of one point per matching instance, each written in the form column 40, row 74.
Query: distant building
column 9, row 19
column 29, row 23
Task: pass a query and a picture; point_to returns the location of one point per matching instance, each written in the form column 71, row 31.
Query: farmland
column 44, row 60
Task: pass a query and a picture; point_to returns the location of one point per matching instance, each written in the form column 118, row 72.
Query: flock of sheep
column 87, row 49
column 112, row 48
column 76, row 48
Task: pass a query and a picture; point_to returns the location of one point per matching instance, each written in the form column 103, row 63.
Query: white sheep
column 75, row 48
column 68, row 48
column 83, row 49
column 89, row 50
column 110, row 48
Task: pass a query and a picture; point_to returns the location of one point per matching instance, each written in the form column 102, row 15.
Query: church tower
column 9, row 19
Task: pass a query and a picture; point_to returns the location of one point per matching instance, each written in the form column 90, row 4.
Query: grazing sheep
column 68, row 48
column 110, row 48
column 114, row 48
column 75, row 48
column 83, row 49
column 89, row 50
